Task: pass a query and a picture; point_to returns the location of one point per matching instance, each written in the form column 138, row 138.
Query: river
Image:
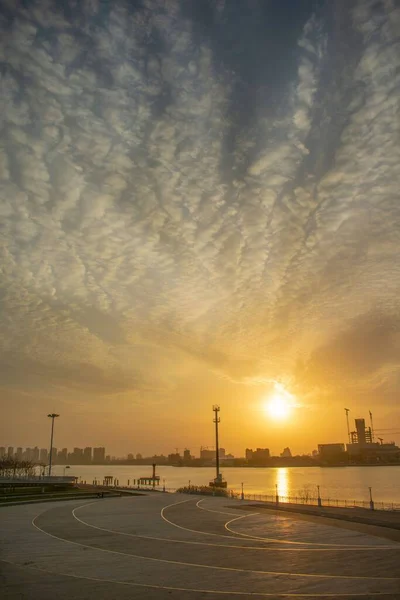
column 347, row 483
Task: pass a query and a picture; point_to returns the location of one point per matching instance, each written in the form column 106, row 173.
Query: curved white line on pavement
column 293, row 543
column 203, row 591
column 195, row 543
column 195, row 530
column 331, row 547
column 214, row 567
column 220, row 512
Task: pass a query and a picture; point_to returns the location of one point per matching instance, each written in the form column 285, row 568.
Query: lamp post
column 371, row 502
column 66, row 467
column 319, row 497
column 52, row 416
column 276, row 494
column 189, row 485
column 242, row 497
column 217, row 419
column 163, row 484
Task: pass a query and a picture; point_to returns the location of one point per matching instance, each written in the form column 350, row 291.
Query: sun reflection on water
column 282, row 481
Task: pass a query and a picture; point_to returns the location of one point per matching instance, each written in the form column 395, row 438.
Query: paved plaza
column 161, row 546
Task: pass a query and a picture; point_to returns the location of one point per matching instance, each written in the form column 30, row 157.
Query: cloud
column 165, row 200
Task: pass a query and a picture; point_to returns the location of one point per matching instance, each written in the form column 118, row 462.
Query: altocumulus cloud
column 214, row 180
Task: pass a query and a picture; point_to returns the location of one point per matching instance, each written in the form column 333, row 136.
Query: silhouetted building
column 206, row 454
column 186, row 454
column 249, row 454
column 10, row 451
column 44, row 456
column 19, row 453
column 99, row 455
column 62, row 456
column 331, row 451
column 87, row 455
column 286, row 453
column 2, row 451
column 258, row 457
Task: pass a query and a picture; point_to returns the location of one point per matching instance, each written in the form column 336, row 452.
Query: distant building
column 10, row 451
column 206, row 454
column 130, row 457
column 186, row 454
column 286, row 453
column 35, row 454
column 2, row 451
column 139, row 456
column 249, row 454
column 99, row 455
column 174, row 458
column 261, row 453
column 330, row 451
column 28, row 454
column 44, row 456
column 19, row 453
column 87, row 455
column 62, row 456
column 363, row 448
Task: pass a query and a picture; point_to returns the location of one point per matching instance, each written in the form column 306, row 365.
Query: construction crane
column 372, row 426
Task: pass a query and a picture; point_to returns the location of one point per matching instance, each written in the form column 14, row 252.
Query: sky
column 199, row 204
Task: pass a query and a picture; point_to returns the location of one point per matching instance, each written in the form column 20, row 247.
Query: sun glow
column 280, row 404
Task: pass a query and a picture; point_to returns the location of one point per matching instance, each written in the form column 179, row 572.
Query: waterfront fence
column 315, row 501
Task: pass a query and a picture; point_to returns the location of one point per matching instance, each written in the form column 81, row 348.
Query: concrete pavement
column 171, row 546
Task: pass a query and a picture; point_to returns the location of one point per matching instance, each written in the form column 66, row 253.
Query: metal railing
column 305, row 500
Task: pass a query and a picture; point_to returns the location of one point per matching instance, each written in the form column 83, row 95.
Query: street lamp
column 319, row 497
column 276, row 494
column 164, row 484
column 371, row 502
column 52, row 416
column 242, row 497
column 66, row 467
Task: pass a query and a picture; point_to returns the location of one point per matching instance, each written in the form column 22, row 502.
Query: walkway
column 163, row 546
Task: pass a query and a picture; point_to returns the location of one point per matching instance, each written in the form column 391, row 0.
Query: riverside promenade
column 160, row 546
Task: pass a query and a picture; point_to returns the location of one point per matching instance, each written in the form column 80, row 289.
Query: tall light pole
column 347, row 410
column 52, row 416
column 217, row 419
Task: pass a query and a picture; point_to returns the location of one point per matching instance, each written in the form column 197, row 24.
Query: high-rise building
column 286, row 453
column 99, row 455
column 28, row 454
column 206, row 454
column 2, row 451
column 87, row 455
column 249, row 453
column 54, row 456
column 35, row 454
column 19, row 453
column 10, row 451
column 62, row 456
column 44, row 456
column 77, row 456
column 186, row 454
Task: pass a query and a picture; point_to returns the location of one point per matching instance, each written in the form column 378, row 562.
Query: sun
column 279, row 405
